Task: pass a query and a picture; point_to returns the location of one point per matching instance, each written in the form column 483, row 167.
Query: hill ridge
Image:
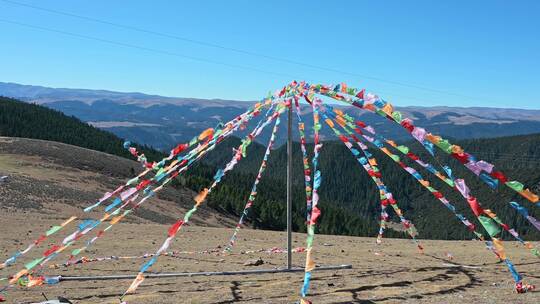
column 162, row 122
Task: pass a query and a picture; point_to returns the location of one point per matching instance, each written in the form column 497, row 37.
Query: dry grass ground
column 393, row 272
column 55, row 181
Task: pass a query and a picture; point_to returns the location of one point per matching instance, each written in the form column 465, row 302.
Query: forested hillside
column 19, row 119
column 346, row 186
column 349, row 199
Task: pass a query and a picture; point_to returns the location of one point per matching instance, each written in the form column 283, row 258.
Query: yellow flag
column 201, row 196
column 388, row 109
column 71, row 219
column 330, row 123
column 310, row 263
column 424, row 183
column 499, row 248
column 206, row 133
column 138, row 280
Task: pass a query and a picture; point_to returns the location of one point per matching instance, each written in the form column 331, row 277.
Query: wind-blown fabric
column 175, row 168
column 240, row 153
column 315, row 211
column 108, row 195
column 487, row 218
column 483, row 169
column 523, row 211
column 369, row 164
column 464, row 191
column 411, row 171
column 371, row 102
column 305, row 159
column 38, row 241
column 253, row 194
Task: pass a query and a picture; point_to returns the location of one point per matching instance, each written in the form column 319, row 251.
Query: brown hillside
column 51, row 180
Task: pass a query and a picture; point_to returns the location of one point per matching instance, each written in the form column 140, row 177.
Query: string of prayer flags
column 523, row 211
column 374, row 103
column 87, row 226
column 253, row 193
column 315, row 211
column 38, row 241
column 202, row 196
column 305, row 159
column 370, row 166
column 431, row 169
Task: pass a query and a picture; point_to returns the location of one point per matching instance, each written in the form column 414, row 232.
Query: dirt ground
column 393, row 272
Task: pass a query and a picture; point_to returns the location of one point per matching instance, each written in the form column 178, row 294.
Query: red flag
column 143, row 184
column 412, row 156
column 361, row 124
column 360, row 94
column 175, row 227
column 180, row 148
column 476, row 209
column 50, row 250
column 407, row 125
column 500, row 176
column 461, row 157
column 315, row 213
column 40, row 239
column 343, row 138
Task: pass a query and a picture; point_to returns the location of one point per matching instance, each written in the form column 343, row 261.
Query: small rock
column 254, row 262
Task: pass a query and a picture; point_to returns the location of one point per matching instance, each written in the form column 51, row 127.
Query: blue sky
column 455, row 53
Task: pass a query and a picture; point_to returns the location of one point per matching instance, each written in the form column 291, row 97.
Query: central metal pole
column 289, row 188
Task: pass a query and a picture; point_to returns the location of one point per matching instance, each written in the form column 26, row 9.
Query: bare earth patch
column 393, row 272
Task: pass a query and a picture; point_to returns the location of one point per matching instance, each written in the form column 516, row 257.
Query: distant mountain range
column 164, row 121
